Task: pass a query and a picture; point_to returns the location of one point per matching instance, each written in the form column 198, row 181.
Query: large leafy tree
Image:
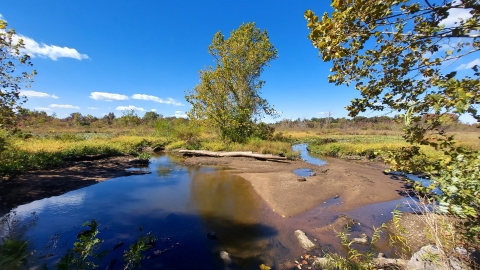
column 228, row 95
column 13, row 75
column 401, row 55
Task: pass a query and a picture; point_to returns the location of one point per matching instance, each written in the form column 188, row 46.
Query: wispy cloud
column 92, row 108
column 53, row 52
column 2, row 18
column 455, row 14
column 469, row 65
column 107, row 96
column 180, row 114
column 170, row 101
column 63, row 106
column 35, row 94
column 41, row 109
column 129, row 107
column 153, row 110
column 321, row 113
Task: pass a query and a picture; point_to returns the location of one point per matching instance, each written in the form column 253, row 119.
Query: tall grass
column 43, row 152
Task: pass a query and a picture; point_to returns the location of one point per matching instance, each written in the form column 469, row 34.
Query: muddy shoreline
column 36, row 185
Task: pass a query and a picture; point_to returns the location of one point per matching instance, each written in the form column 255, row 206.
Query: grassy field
column 27, row 151
column 42, row 149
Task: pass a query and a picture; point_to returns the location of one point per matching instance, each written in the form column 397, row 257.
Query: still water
column 179, row 205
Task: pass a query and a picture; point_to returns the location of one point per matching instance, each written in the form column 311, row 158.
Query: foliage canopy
column 11, row 79
column 228, row 95
column 401, row 55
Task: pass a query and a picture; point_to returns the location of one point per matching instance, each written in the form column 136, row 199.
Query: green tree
column 129, row 118
column 150, row 117
column 401, row 55
column 11, row 79
column 228, row 95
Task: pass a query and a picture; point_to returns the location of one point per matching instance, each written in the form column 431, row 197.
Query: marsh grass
column 362, row 146
column 44, row 152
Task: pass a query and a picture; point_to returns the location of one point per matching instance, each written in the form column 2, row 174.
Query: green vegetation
column 228, row 97
column 391, row 51
column 84, row 250
column 13, row 247
column 12, row 59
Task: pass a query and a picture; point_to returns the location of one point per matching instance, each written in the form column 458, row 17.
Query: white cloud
column 321, row 113
column 129, row 107
column 455, row 14
column 153, row 110
column 63, row 106
column 469, row 65
column 35, row 94
column 157, row 99
column 107, row 96
column 180, row 114
column 2, row 18
column 92, row 108
column 41, row 109
column 53, row 52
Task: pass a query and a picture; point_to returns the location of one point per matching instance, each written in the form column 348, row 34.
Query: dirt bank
column 36, row 185
column 355, row 184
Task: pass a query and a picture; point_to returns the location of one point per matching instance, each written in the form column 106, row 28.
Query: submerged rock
column 338, row 225
column 225, row 257
column 304, row 241
column 362, row 240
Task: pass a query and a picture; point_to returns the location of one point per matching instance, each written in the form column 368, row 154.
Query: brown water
column 180, row 205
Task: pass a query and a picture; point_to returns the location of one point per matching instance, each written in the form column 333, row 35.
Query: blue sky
column 96, row 57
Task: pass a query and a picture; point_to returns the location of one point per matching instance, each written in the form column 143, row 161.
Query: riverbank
column 36, row 185
column 352, row 184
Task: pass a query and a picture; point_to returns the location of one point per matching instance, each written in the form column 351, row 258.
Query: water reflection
column 178, row 203
column 305, row 155
column 229, row 206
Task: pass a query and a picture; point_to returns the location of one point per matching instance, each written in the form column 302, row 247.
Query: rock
column 301, row 179
column 362, row 240
column 382, row 262
column 428, row 257
column 320, row 263
column 225, row 257
column 139, row 161
column 313, row 174
column 336, row 196
column 158, row 149
column 304, row 241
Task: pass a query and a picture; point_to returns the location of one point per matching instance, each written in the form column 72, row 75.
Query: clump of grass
column 214, row 146
column 176, row 145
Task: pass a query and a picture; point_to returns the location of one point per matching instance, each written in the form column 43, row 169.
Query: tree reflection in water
column 230, row 207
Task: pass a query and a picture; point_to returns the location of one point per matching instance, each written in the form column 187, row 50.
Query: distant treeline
column 36, row 119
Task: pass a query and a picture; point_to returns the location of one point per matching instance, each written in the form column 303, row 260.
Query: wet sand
column 355, row 184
